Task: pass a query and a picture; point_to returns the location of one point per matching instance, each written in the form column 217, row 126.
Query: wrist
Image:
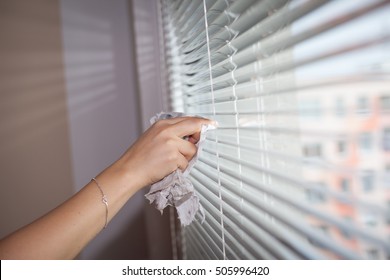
column 128, row 174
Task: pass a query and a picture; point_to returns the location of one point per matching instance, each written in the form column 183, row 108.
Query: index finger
column 190, row 126
column 176, row 120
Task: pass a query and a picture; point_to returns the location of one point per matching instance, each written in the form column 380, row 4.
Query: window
column 340, row 107
column 345, row 185
column 310, row 108
column 363, row 105
column 365, row 142
column 341, row 147
column 386, row 139
column 346, row 234
column 367, row 180
column 386, row 176
column 316, row 194
column 385, row 104
column 373, row 254
column 270, row 73
column 370, row 220
column 312, row 150
column 388, row 213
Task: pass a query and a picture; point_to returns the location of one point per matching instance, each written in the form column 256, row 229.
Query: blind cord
column 216, row 134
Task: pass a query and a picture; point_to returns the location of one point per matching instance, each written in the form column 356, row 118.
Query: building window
column 373, row 254
column 341, row 147
column 345, row 185
column 385, row 104
column 312, row 150
column 386, row 177
column 340, row 107
column 363, row 106
column 370, row 220
column 345, row 233
column 316, row 194
column 388, row 213
column 367, row 180
column 386, row 139
column 365, row 142
column 310, row 108
column 323, row 230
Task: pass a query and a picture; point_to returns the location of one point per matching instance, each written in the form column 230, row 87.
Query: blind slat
column 373, row 208
column 298, row 165
column 204, row 251
column 302, row 207
column 270, row 25
column 208, row 243
column 188, row 9
column 227, row 27
column 289, row 238
column 312, row 163
column 269, row 240
column 199, row 36
column 283, row 39
column 235, row 245
column 284, row 218
column 259, row 68
column 195, row 21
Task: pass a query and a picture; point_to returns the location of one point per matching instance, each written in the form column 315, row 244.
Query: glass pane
column 304, row 114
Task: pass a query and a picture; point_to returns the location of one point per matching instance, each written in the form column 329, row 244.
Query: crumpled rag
column 176, row 189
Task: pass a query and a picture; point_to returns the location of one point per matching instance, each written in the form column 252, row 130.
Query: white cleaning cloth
column 176, row 189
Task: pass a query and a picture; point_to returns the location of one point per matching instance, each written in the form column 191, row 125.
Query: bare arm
column 66, row 230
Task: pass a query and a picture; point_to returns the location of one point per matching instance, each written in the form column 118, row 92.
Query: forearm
column 63, row 232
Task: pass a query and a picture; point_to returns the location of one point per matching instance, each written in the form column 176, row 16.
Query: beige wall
column 151, row 88
column 68, row 108
column 35, row 169
column 103, row 111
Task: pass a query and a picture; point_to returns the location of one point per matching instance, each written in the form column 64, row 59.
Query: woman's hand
column 162, row 149
column 63, row 232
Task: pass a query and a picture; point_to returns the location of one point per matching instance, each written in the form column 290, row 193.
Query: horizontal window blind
column 299, row 167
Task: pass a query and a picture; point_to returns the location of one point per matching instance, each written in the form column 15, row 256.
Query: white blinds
column 300, row 164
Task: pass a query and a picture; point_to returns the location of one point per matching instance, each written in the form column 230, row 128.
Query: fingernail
column 215, row 123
